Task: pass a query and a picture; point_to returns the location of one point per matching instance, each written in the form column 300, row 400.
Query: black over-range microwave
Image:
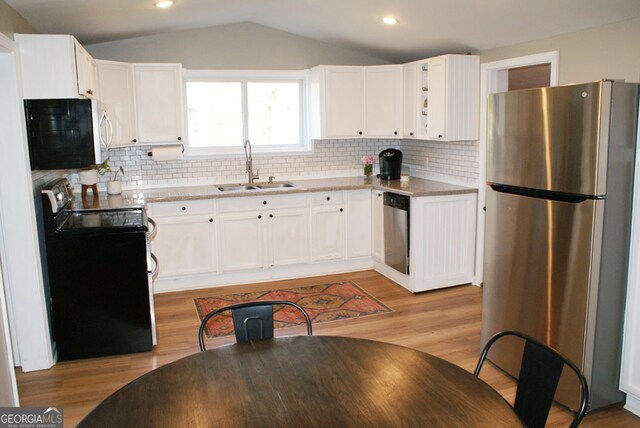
column 67, row 133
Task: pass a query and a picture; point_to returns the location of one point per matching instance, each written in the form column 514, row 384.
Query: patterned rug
column 325, row 302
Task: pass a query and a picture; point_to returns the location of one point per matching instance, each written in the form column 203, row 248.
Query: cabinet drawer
column 326, row 198
column 253, row 203
column 170, row 209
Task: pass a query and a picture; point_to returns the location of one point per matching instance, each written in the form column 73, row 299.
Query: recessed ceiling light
column 389, row 20
column 163, row 4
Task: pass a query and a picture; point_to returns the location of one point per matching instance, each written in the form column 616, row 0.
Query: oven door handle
column 154, row 271
column 152, row 233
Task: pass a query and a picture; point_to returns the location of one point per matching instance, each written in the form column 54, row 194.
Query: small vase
column 114, row 187
column 368, row 172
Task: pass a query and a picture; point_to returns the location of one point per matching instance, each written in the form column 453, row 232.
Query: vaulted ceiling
column 425, row 27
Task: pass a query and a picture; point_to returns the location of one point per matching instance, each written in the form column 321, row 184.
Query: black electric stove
column 99, row 277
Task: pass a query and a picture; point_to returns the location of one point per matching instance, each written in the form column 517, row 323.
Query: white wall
column 244, row 46
column 19, row 244
column 12, row 22
column 607, row 52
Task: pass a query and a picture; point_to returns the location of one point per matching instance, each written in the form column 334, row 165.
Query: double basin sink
column 254, row 187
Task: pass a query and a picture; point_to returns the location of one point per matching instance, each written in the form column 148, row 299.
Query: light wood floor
column 445, row 323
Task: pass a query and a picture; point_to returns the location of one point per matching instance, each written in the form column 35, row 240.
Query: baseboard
column 195, row 282
column 633, row 405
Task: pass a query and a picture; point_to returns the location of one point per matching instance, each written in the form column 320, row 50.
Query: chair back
column 540, row 372
column 251, row 320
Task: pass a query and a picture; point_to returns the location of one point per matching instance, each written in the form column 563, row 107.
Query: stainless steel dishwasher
column 396, row 231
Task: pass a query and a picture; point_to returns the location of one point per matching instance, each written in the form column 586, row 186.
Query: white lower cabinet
column 377, row 230
column 186, row 242
column 358, row 223
column 327, row 233
column 261, row 239
column 205, row 242
column 442, row 239
column 288, row 236
column 241, row 241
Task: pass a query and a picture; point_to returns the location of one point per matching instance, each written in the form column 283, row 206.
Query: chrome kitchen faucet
column 249, row 163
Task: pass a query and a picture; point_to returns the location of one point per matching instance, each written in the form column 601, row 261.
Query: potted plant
column 114, row 186
column 89, row 175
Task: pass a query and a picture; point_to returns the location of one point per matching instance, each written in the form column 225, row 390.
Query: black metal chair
column 252, row 320
column 540, row 372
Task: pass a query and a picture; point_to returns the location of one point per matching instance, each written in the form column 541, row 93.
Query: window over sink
column 225, row 108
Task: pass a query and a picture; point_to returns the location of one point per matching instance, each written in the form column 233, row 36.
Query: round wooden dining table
column 306, row 381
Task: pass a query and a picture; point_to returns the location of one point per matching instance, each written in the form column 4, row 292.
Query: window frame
column 244, row 77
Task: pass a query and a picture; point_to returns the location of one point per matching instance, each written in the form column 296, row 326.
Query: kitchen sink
column 254, row 187
column 275, row 185
column 236, row 188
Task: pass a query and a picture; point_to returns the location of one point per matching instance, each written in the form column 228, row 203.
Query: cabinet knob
column 439, row 135
column 134, row 140
column 341, row 210
column 259, row 216
column 264, row 202
column 270, row 215
column 89, row 91
column 179, row 138
column 184, row 208
column 360, row 133
column 210, row 220
column 395, row 132
column 411, row 134
column 328, row 198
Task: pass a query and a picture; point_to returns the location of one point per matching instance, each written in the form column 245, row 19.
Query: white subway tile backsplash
column 450, row 161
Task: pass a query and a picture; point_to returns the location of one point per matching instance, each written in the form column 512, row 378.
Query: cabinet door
column 327, row 233
column 241, row 240
column 436, row 113
column 358, row 223
column 288, row 236
column 159, row 109
column 443, row 231
column 409, row 95
column 343, row 102
column 86, row 69
column 185, row 245
column 377, row 231
column 115, row 83
column 383, row 101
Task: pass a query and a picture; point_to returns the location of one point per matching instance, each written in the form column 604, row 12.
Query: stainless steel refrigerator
column 560, row 165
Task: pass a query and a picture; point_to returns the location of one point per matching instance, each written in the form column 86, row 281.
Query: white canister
column 114, row 187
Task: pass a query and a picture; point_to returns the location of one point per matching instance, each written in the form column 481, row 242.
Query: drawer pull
column 184, row 208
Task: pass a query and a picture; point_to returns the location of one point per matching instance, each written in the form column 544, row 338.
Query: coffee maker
column 390, row 164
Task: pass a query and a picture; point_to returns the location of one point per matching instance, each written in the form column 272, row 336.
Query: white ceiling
column 426, row 27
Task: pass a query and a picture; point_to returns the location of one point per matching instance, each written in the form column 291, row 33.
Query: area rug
column 324, row 302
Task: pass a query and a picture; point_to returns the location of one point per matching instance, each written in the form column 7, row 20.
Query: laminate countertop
column 416, row 187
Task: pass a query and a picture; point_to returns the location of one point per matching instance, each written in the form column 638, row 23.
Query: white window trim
column 306, row 146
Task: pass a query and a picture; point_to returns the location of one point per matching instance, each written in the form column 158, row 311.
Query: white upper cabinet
column 337, row 102
column 450, row 98
column 158, row 98
column 383, row 101
column 55, row 66
column 410, row 90
column 115, row 84
column 87, row 70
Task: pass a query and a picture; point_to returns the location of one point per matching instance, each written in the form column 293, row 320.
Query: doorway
column 532, row 71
